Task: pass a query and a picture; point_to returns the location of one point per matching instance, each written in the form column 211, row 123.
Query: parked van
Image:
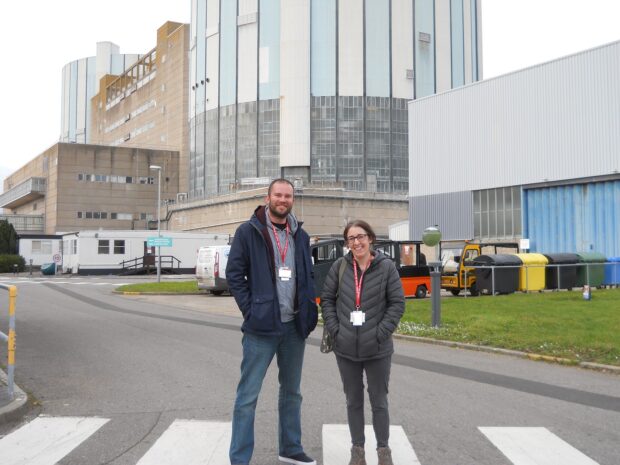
column 211, row 268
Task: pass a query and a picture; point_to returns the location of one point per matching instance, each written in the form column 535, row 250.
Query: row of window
column 133, row 133
column 116, row 179
column 141, row 109
column 117, row 246
column 113, row 216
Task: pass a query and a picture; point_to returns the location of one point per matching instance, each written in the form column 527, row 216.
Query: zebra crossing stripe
column 46, row 440
column 337, row 445
column 191, row 442
column 534, row 446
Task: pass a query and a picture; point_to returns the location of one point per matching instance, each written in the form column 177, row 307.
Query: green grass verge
column 172, row 287
column 558, row 324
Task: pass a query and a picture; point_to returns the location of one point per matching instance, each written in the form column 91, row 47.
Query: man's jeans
column 258, row 351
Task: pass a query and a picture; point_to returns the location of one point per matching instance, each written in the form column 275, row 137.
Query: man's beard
column 277, row 214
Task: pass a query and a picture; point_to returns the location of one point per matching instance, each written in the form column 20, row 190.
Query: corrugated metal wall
column 575, row 218
column 453, row 213
column 552, row 122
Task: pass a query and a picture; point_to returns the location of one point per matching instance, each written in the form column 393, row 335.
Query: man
column 269, row 273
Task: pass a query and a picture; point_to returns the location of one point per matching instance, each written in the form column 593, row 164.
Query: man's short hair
column 280, row 180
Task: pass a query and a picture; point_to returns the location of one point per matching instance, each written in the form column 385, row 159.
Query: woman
column 362, row 303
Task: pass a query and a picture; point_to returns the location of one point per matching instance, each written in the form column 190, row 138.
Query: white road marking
column 78, row 283
column 191, row 442
column 337, row 446
column 46, row 440
column 534, row 446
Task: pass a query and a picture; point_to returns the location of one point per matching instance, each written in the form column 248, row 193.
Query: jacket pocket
column 260, row 315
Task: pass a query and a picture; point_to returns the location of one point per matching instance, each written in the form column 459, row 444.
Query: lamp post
column 158, row 168
column 431, row 237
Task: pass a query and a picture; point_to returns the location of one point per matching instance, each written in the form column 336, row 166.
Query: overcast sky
column 38, row 37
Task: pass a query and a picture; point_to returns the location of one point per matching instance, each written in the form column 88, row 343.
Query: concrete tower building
column 318, row 89
column 80, row 82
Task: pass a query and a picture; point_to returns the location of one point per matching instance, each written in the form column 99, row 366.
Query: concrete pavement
column 225, row 305
column 11, row 408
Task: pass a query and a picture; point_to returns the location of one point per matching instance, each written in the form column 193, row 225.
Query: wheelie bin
column 564, row 275
column 503, row 278
column 532, row 274
column 612, row 272
column 48, row 268
column 592, row 270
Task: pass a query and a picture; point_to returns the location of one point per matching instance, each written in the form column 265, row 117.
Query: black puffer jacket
column 383, row 302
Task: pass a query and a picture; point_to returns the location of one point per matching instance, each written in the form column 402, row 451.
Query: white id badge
column 357, row 318
column 285, row 273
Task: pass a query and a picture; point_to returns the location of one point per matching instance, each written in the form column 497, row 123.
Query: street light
column 431, row 237
column 158, row 168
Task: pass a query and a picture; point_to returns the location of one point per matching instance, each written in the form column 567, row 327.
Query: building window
column 103, row 247
column 497, row 213
column 79, row 214
column 89, row 215
column 119, row 247
column 41, row 247
column 74, row 247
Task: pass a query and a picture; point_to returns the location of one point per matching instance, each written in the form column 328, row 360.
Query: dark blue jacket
column 251, row 277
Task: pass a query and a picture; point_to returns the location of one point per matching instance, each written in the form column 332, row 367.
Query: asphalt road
column 146, row 362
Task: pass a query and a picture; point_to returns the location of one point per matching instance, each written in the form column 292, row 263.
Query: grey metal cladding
column 451, row 212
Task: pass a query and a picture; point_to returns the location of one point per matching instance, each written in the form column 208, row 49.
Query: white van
column 211, row 268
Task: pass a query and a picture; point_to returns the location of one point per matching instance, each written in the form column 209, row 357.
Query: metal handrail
column 10, row 339
column 138, row 262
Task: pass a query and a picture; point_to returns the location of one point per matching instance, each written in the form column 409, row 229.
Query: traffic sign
column 57, row 258
column 159, row 242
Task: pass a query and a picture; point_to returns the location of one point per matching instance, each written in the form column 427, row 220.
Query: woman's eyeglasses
column 359, row 238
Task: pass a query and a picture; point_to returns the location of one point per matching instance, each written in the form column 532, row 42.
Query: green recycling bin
column 591, row 269
column 48, row 268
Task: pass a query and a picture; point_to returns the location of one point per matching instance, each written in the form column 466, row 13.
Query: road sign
column 57, row 258
column 159, row 241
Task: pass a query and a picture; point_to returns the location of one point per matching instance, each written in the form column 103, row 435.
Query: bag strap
column 343, row 266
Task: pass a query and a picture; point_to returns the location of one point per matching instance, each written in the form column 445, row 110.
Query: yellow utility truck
column 458, row 261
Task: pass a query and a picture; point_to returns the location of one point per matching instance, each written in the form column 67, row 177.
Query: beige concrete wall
column 323, row 211
column 168, row 92
column 45, row 166
column 61, row 164
column 135, row 198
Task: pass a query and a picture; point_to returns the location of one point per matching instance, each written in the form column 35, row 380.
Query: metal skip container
column 612, row 271
column 564, row 274
column 592, row 270
column 532, row 274
column 500, row 273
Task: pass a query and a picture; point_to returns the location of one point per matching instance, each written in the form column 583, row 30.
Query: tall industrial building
column 318, row 89
column 146, row 106
column 80, row 82
column 533, row 154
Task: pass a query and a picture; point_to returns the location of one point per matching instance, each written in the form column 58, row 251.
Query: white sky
column 38, row 37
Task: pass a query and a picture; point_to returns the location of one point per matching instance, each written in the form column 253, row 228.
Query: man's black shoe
column 298, row 459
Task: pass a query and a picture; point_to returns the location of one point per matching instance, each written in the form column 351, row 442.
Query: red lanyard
column 279, row 245
column 358, row 285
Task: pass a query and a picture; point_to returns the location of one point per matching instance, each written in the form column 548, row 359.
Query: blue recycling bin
column 612, row 272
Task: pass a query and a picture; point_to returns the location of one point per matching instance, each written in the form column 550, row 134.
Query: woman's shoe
column 385, row 456
column 358, row 456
